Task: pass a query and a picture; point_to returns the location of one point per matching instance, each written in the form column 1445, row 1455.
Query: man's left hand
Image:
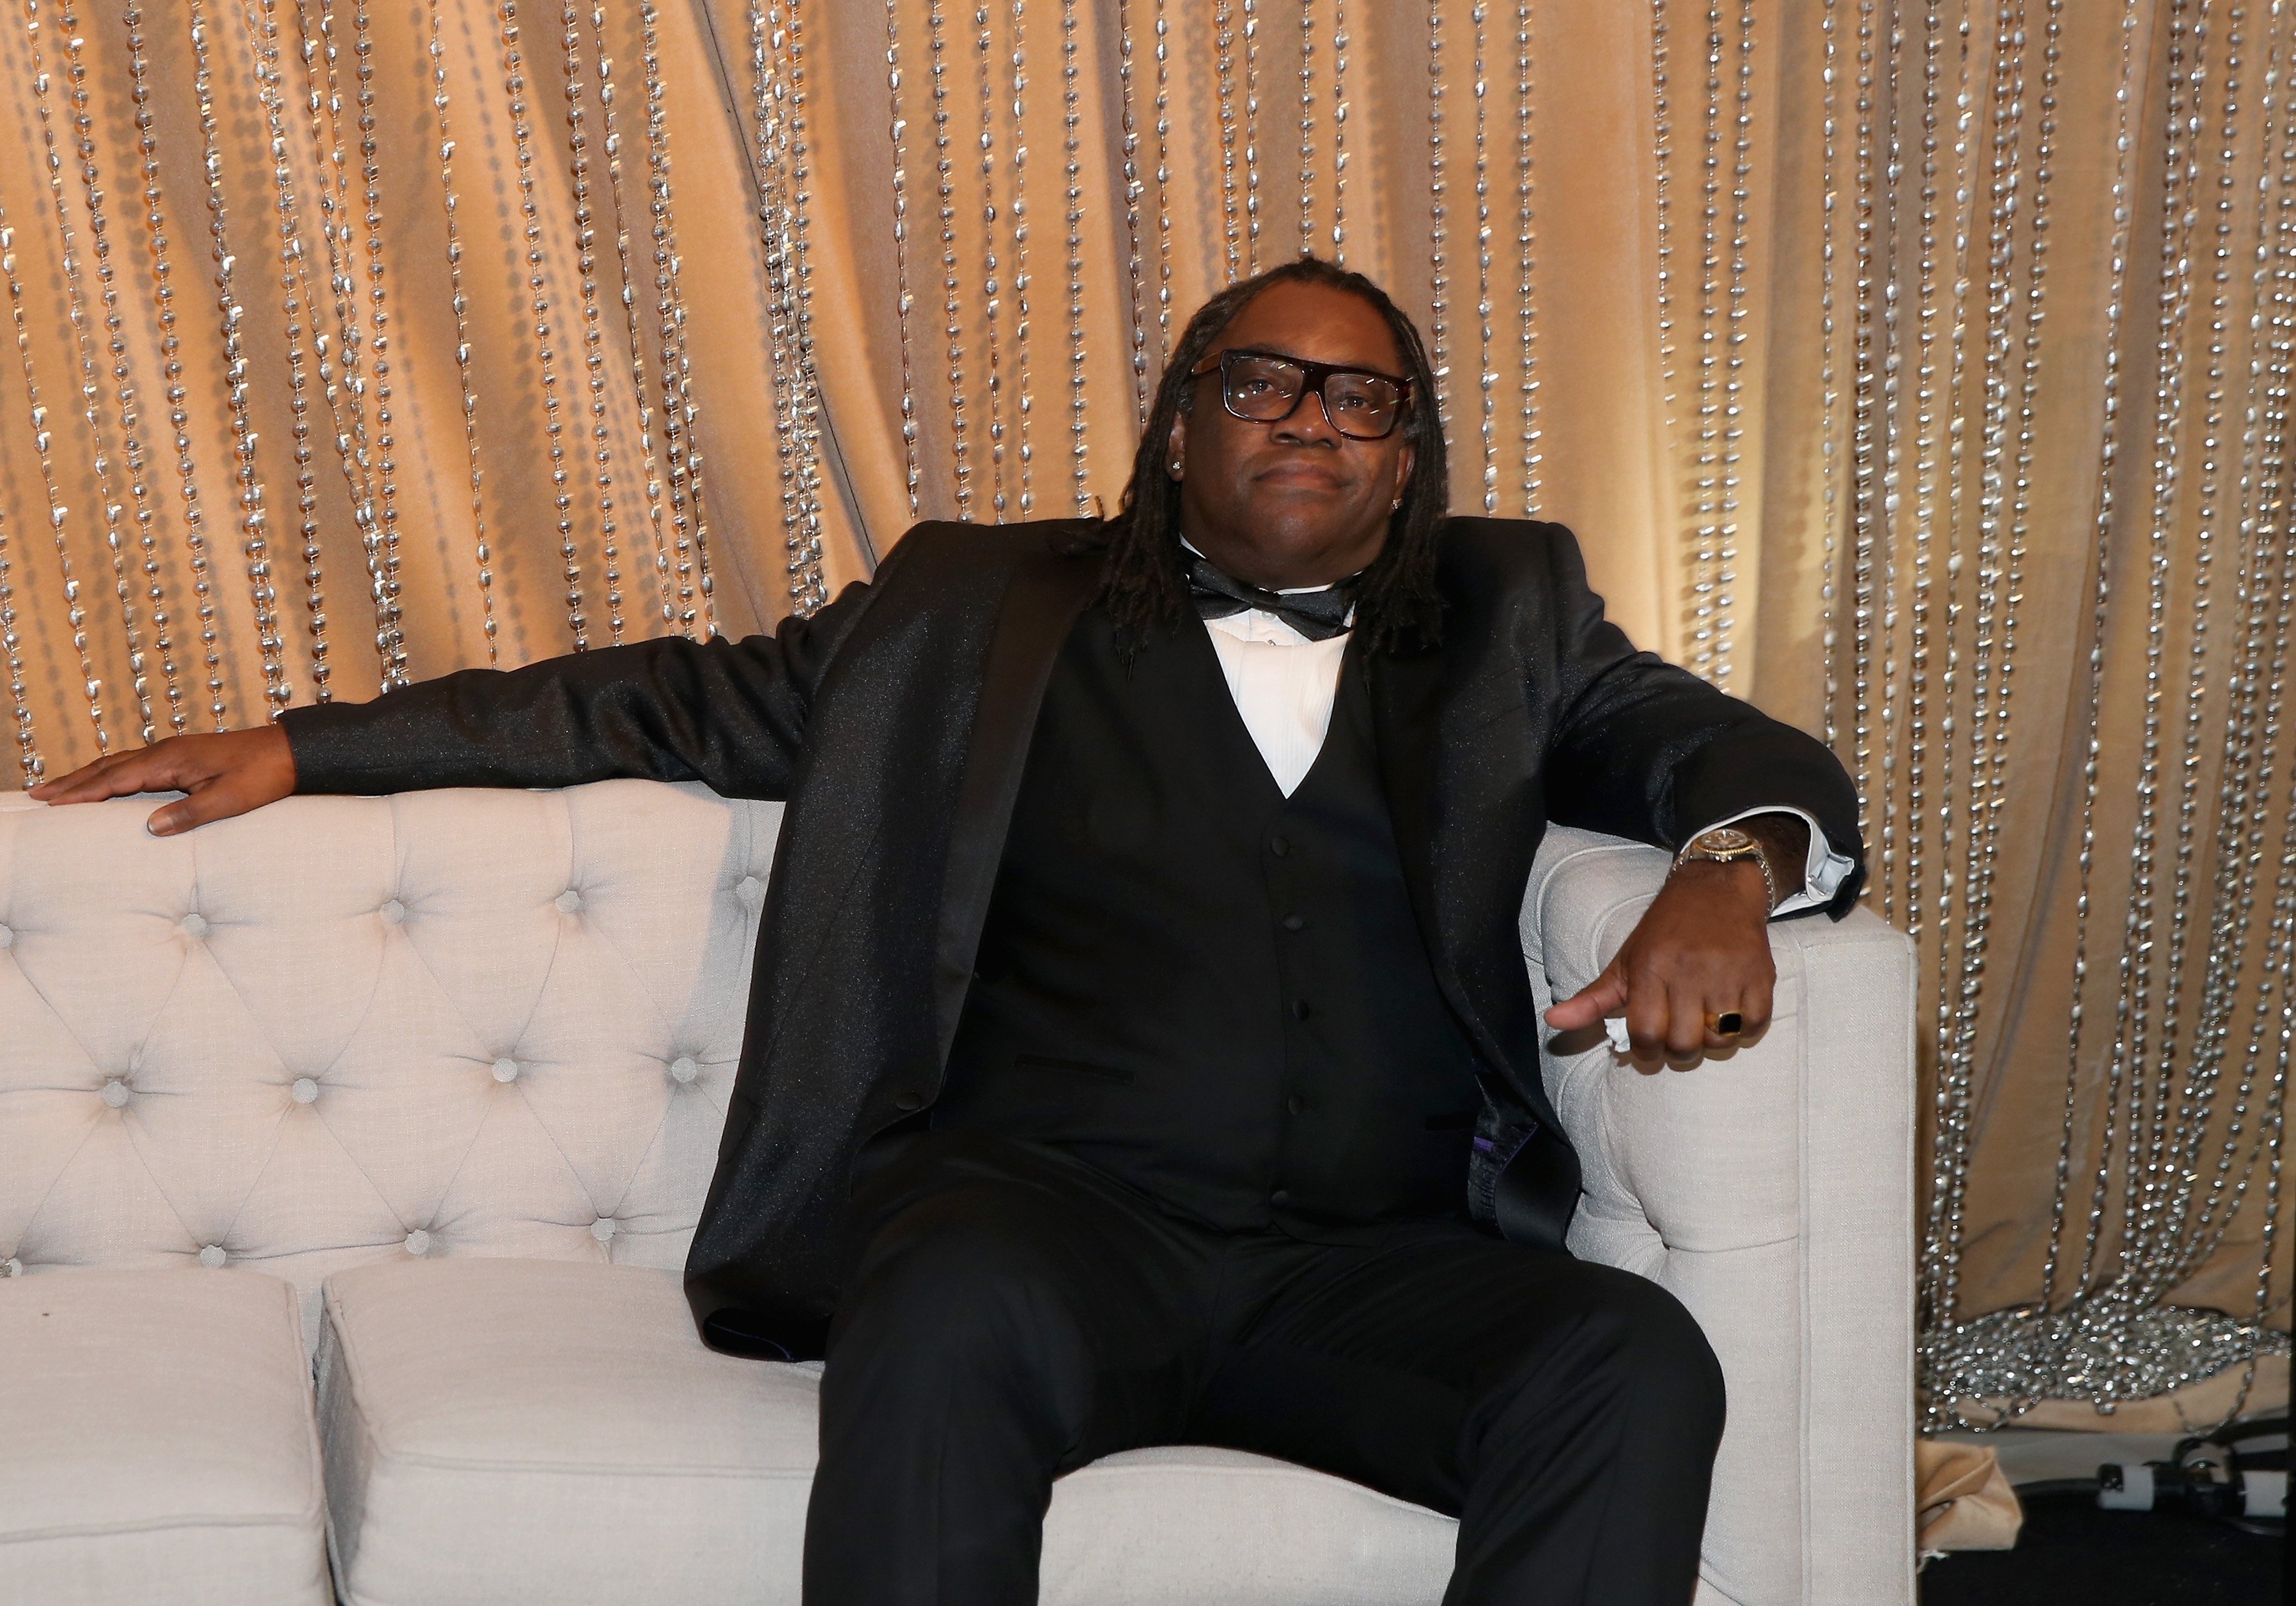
column 1700, row 950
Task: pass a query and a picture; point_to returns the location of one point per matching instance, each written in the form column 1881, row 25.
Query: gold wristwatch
column 1725, row 845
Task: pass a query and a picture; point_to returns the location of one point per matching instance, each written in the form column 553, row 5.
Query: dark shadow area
column 2072, row 1552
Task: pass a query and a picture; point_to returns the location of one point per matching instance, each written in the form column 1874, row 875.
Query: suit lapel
column 1047, row 591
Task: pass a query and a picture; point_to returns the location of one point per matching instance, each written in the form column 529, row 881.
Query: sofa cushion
column 157, row 1442
column 510, row 1431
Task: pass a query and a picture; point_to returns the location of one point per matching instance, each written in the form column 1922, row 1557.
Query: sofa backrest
column 341, row 1029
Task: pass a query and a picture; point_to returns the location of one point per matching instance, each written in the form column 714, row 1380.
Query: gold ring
column 1727, row 1024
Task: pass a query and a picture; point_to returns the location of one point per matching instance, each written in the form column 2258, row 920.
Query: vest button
column 1299, row 1010
column 1278, row 845
column 1280, row 1198
column 1295, row 1103
column 1292, row 923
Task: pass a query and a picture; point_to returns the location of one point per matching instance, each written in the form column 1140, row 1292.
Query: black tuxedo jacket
column 895, row 722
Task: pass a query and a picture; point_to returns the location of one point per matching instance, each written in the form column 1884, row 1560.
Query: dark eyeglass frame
column 1312, row 384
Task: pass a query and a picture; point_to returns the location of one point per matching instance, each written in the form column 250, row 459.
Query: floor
column 2072, row 1551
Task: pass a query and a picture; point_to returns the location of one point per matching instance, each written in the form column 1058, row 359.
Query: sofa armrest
column 1771, row 1189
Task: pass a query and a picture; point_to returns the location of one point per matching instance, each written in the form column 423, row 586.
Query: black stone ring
column 1729, row 1023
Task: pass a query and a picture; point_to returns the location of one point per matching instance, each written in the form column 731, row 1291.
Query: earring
column 1174, row 466
column 1395, row 506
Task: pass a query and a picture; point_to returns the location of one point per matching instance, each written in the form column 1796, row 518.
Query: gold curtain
column 1680, row 305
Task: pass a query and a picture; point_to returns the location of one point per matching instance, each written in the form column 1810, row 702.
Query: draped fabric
column 1839, row 442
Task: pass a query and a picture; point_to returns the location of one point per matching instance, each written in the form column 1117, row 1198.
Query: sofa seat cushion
column 513, row 1431
column 157, row 1441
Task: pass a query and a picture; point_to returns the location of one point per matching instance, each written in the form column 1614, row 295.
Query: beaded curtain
column 1884, row 355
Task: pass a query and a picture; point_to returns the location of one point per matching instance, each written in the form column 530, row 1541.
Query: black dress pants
column 1015, row 1313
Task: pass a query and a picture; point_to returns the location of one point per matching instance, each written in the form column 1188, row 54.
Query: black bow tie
column 1317, row 615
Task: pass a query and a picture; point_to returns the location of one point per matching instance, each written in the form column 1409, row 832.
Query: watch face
column 1722, row 838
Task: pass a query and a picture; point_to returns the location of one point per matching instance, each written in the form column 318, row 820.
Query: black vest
column 1217, row 994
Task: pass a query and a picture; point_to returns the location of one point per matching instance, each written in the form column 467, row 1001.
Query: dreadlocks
column 1144, row 581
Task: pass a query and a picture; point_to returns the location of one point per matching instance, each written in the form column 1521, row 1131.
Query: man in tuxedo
column 1140, row 1048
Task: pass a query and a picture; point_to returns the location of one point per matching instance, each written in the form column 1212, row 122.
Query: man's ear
column 1404, row 461
column 1176, row 443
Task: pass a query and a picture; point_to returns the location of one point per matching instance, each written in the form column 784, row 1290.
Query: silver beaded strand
column 1306, row 127
column 961, row 465
column 1527, row 261
column 1251, row 133
column 163, row 297
column 585, row 262
column 770, row 97
column 689, row 518
column 12, row 644
column 297, row 303
column 1828, row 379
column 1018, row 278
column 538, row 305
column 1133, row 188
column 1439, row 227
column 809, row 590
column 1484, row 379
column 1072, row 172
column 379, row 344
column 1339, row 131
column 897, row 130
column 1224, row 66
column 650, row 464
column 991, row 287
column 1734, row 364
column 440, row 102
column 254, row 541
column 1163, row 188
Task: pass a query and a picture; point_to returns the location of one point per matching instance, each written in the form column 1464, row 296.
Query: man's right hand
column 226, row 774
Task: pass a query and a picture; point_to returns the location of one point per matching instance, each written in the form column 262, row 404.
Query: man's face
column 1292, row 502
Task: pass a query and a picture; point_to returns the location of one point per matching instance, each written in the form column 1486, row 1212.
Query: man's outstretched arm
column 1645, row 749
column 730, row 713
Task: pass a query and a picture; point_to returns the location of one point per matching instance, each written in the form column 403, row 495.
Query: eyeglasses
column 1260, row 386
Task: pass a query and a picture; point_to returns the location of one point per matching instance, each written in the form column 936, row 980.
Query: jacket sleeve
column 731, row 714
column 1644, row 749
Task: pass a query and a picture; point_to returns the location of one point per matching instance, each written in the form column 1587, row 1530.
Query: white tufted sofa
column 422, row 1095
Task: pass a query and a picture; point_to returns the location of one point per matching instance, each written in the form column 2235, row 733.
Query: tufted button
column 7, row 938
column 115, row 1093
column 305, row 1090
column 392, row 911
column 11, row 1268
column 568, row 901
column 604, row 1228
column 505, row 1070
column 418, row 1242
column 682, row 1068
column 750, row 890
column 212, row 1255
column 194, row 925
